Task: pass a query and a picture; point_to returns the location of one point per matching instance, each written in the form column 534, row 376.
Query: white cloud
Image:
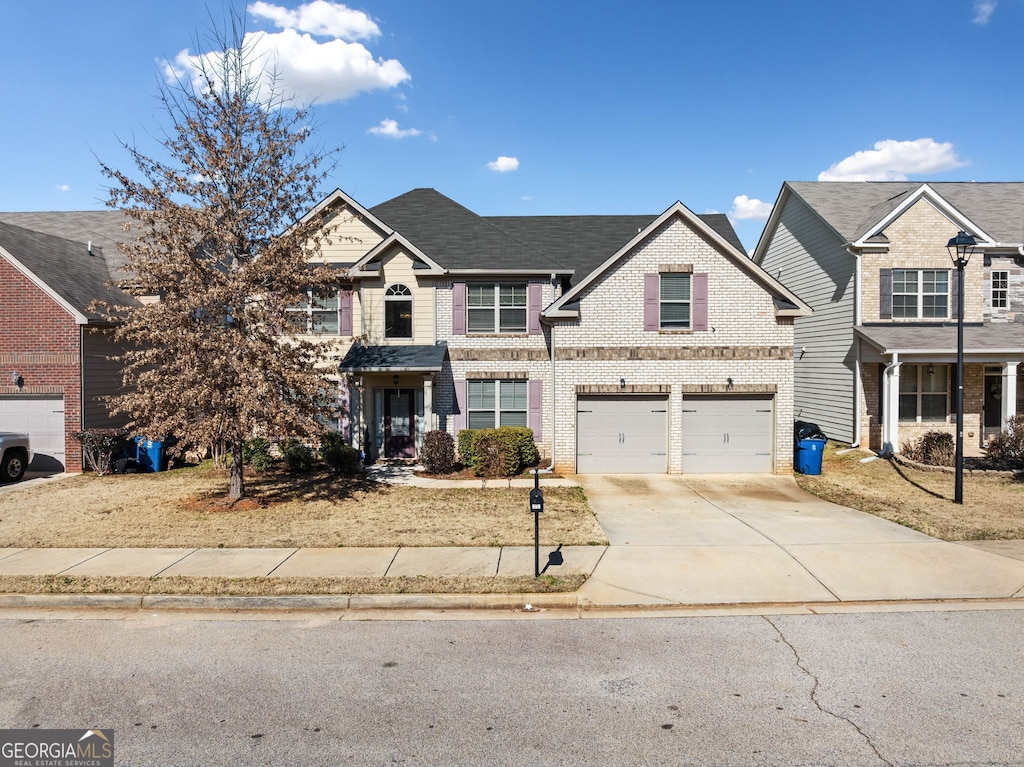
column 504, row 164
column 983, row 10
column 390, row 129
column 63, row 187
column 892, row 160
column 319, row 18
column 744, row 207
column 307, row 69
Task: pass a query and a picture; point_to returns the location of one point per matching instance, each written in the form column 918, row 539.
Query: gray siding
column 101, row 377
column 824, row 373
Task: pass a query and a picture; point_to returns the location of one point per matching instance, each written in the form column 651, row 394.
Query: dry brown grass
column 181, row 508
column 207, row 586
column 993, row 505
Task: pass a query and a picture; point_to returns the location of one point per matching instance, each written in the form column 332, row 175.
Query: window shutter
column 954, row 294
column 535, row 291
column 459, row 309
column 699, row 293
column 652, row 284
column 345, row 320
column 536, row 411
column 459, row 416
column 885, row 294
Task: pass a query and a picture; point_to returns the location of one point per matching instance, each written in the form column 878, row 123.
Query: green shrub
column 331, row 439
column 935, row 448
column 99, row 446
column 437, row 453
column 501, row 452
column 256, row 453
column 1008, row 445
column 343, row 459
column 298, row 458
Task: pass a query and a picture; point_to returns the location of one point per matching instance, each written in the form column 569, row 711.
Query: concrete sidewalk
column 675, row 541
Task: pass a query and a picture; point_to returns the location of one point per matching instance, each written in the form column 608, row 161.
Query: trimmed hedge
column 501, row 452
column 438, row 452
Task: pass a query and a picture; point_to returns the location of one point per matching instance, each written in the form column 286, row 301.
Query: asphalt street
column 860, row 688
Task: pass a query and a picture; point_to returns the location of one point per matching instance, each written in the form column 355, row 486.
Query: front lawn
column 993, row 505
column 181, row 508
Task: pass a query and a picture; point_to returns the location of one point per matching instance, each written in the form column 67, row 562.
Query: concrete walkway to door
column 732, row 539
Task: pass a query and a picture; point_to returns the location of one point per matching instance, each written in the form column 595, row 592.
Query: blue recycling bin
column 808, row 455
column 149, row 454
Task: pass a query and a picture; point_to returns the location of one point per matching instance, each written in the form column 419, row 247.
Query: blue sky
column 554, row 107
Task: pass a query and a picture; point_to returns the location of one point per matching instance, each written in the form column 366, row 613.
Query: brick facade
column 42, row 343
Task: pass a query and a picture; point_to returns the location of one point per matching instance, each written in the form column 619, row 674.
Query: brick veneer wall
column 745, row 342
column 42, row 342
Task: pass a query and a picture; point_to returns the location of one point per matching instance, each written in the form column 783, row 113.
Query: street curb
column 291, row 601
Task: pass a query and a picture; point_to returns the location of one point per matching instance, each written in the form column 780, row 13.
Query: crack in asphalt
column 814, row 693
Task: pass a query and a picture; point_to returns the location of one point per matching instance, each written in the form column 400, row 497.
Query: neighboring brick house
column 628, row 343
column 54, row 357
column 876, row 362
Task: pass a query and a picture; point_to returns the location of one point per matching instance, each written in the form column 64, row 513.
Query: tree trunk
column 236, row 475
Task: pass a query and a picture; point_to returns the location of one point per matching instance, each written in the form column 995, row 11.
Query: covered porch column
column 891, row 407
column 1009, row 401
column 428, row 403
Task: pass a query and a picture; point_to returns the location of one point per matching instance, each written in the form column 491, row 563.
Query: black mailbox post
column 536, row 506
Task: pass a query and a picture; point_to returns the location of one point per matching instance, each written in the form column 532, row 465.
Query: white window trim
column 307, row 308
column 921, row 294
column 919, row 394
column 390, row 296
column 1003, row 291
column 663, row 301
column 496, row 308
column 497, row 410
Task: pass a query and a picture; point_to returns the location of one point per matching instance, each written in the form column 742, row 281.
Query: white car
column 15, row 456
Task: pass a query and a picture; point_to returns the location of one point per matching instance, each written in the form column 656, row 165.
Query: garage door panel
column 621, row 435
column 727, row 435
column 42, row 418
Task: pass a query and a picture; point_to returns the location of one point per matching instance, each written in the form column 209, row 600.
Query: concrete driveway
column 729, row 539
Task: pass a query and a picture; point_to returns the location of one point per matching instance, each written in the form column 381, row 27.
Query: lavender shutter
column 652, row 286
column 699, row 295
column 459, row 416
column 459, row 309
column 885, row 294
column 536, row 413
column 345, row 319
column 534, row 290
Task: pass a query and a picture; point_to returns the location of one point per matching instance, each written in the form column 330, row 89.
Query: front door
column 400, row 423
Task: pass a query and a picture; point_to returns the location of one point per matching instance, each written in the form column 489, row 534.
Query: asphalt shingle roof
column 386, row 358
column 66, row 266
column 105, row 228
column 852, row 207
column 457, row 238
column 941, row 339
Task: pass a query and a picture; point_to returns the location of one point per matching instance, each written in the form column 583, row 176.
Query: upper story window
column 674, row 302
column 920, row 293
column 496, row 308
column 1000, row 289
column 398, row 312
column 318, row 312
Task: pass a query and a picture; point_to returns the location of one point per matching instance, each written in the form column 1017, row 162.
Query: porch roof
column 394, row 359
column 986, row 338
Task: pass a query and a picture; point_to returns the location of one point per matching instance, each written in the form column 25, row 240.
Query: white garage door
column 42, row 418
column 723, row 434
column 622, row 434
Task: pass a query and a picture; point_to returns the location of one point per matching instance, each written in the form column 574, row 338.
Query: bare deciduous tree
column 225, row 243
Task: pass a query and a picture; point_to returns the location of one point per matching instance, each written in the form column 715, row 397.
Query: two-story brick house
column 627, row 343
column 875, row 362
column 55, row 366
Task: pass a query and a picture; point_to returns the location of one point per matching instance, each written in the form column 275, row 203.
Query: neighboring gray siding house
column 875, row 362
column 627, row 343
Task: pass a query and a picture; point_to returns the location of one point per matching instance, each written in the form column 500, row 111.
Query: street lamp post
column 960, row 248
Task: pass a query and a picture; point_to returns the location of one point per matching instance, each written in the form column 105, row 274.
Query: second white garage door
column 625, row 434
column 42, row 418
column 723, row 434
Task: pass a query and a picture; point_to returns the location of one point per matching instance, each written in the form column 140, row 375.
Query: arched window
column 398, row 312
